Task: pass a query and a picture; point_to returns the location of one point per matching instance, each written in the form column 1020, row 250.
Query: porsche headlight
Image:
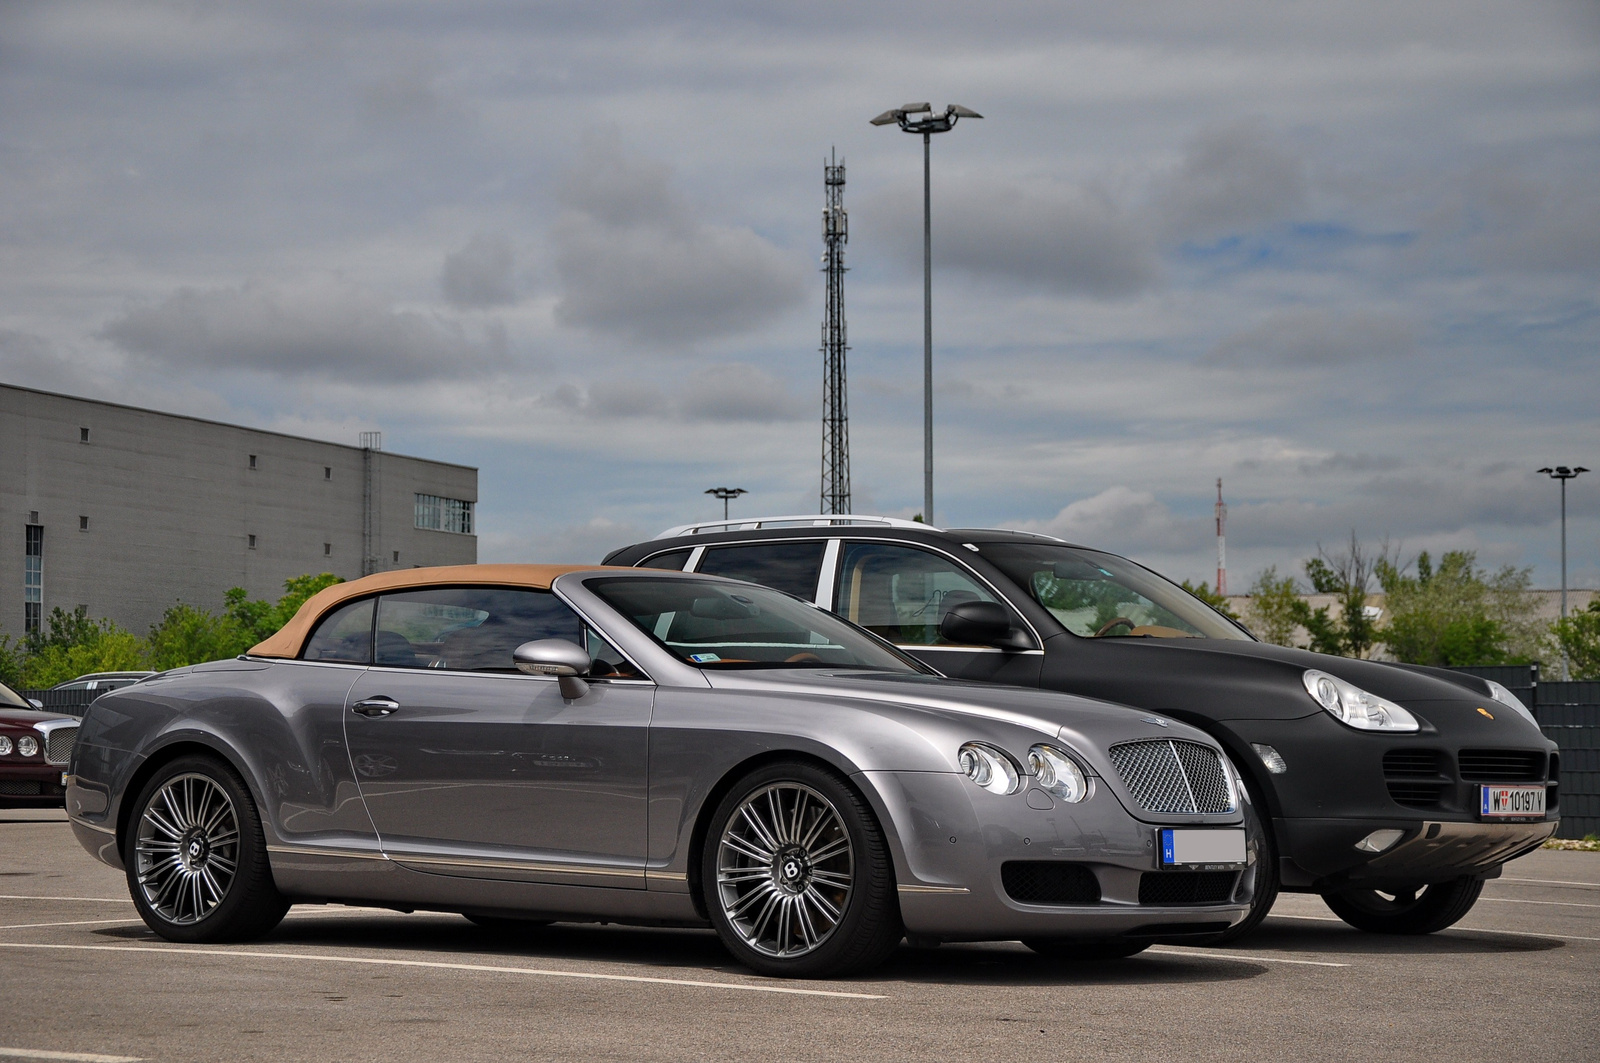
column 990, row 768
column 1058, row 774
column 1511, row 701
column 1357, row 708
column 27, row 745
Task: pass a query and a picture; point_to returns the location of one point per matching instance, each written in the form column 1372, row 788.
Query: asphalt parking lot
column 82, row 979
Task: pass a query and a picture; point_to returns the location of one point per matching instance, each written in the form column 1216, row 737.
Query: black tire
column 1418, row 910
column 1263, row 872
column 1086, row 950
column 506, row 925
column 743, row 882
column 196, row 856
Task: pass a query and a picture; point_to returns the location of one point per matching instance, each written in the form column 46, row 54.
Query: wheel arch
column 176, row 747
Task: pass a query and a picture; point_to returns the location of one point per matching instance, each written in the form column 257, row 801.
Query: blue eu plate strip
column 1167, row 856
column 1484, row 791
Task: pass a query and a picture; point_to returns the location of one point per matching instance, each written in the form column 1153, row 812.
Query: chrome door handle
column 378, row 706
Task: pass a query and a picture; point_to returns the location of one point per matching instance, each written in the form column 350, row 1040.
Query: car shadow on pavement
column 1328, row 938
column 696, row 953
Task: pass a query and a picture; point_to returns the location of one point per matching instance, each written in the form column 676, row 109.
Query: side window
column 345, row 635
column 902, row 593
column 471, row 629
column 792, row 567
column 605, row 660
column 675, row 560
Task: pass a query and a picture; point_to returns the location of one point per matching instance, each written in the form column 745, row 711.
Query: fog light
column 1379, row 840
column 5, row 745
column 1270, row 757
column 27, row 745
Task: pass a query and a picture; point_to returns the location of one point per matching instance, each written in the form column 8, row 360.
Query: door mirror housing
column 567, row 661
column 980, row 624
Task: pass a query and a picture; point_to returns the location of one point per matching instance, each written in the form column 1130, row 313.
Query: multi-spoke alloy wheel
column 196, row 856
column 796, row 874
column 784, row 869
column 187, row 849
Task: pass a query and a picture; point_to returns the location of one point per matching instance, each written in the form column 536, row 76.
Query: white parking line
column 1474, row 929
column 74, row 922
column 1519, row 900
column 93, row 900
column 79, row 1057
column 436, row 965
column 1228, row 954
column 1549, row 882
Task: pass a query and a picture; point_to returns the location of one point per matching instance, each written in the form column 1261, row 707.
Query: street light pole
column 919, row 118
column 726, row 493
column 1563, row 474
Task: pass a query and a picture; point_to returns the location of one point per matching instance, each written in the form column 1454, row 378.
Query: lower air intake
column 1186, row 887
column 1049, row 882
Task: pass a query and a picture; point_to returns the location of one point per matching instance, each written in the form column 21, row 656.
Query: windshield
column 12, row 700
column 721, row 625
column 1104, row 596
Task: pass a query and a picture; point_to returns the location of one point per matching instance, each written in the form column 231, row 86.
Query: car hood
column 28, row 717
column 1069, row 717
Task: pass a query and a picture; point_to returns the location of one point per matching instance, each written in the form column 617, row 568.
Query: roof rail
column 803, row 520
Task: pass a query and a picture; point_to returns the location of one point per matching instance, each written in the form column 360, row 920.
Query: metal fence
column 71, row 702
column 1569, row 715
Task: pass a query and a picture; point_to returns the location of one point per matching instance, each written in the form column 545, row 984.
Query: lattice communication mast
column 1222, row 542
column 835, row 404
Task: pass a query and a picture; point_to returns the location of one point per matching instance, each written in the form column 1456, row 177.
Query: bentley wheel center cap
column 195, row 851
column 792, row 870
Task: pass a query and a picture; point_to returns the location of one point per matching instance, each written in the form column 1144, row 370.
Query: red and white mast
column 1222, row 542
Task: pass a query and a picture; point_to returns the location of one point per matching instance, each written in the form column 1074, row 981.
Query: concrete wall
column 172, row 501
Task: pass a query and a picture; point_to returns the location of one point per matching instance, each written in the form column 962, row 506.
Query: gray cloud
column 480, row 274
column 739, row 392
column 1315, row 337
column 1232, row 178
column 1123, row 519
column 332, row 329
column 635, row 261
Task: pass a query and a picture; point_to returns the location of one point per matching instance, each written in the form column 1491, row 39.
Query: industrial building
column 126, row 511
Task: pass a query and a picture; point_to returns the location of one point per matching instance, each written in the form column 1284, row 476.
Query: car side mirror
column 978, row 624
column 36, row 703
column 567, row 661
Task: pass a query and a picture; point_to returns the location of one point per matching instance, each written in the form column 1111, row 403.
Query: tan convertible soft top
column 291, row 638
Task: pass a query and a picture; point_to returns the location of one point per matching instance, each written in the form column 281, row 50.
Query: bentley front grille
column 1168, row 775
column 58, row 745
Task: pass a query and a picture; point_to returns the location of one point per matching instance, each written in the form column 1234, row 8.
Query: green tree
column 1271, row 611
column 12, row 654
column 1578, row 637
column 187, row 635
column 71, row 644
column 1458, row 614
column 1346, row 576
column 1219, row 602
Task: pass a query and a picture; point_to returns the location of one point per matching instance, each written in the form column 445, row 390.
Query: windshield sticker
column 704, row 658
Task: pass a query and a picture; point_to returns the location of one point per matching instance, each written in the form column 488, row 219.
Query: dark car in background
column 1393, row 791
column 35, row 749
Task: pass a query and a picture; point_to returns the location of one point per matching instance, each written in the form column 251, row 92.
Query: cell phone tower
column 835, row 404
column 1222, row 542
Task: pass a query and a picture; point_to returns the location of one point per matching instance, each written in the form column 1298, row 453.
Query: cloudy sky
column 1344, row 256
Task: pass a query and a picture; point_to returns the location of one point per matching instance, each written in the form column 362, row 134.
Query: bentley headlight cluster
column 5, row 746
column 1056, row 773
column 27, row 745
column 990, row 768
column 1511, row 701
column 1351, row 705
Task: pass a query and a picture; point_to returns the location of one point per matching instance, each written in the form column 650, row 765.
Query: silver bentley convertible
column 525, row 744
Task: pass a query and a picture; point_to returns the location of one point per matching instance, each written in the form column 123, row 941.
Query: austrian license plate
column 1201, row 848
column 1512, row 801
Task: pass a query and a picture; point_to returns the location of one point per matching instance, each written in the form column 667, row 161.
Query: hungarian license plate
column 1515, row 801
column 1201, row 848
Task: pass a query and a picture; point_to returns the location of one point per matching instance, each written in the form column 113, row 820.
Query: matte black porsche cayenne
column 1393, row 791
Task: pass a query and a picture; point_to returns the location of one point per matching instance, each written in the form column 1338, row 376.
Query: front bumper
column 953, row 841
column 1430, row 851
column 35, row 784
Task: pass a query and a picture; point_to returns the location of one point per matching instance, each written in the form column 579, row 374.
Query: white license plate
column 1182, row 848
column 1512, row 801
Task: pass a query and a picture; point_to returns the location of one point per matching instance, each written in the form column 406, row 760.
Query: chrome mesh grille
column 1173, row 776
column 58, row 745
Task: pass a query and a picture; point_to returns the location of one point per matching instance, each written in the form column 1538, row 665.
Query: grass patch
column 1589, row 844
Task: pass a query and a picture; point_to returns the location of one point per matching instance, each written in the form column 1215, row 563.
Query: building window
column 397, row 557
column 83, row 523
column 327, row 472
column 252, row 542
column 32, row 577
column 83, row 435
column 33, row 516
column 252, row 461
column 444, row 514
column 327, row 549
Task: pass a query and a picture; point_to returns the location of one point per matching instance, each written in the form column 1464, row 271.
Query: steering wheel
column 802, row 656
column 1116, row 621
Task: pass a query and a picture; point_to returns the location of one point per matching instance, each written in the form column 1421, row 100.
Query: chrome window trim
column 400, row 669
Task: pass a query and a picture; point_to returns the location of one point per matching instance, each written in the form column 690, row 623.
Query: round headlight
column 5, row 745
column 989, row 768
column 1511, row 701
column 27, row 745
column 1351, row 705
column 1058, row 774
